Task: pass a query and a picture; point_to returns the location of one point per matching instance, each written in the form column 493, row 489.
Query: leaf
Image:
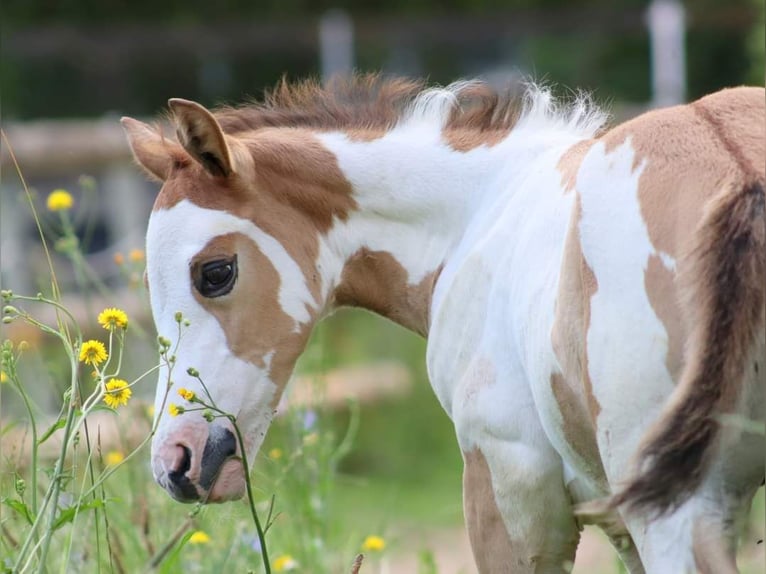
column 168, row 565
column 59, row 424
column 67, row 514
column 19, row 507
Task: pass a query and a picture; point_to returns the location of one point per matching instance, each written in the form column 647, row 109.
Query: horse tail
column 724, row 287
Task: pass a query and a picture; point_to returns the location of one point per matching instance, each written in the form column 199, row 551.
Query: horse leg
column 518, row 513
column 623, row 543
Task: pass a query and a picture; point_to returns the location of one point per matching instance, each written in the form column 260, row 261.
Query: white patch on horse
column 668, row 261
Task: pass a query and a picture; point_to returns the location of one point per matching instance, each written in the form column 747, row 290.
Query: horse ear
column 149, row 149
column 201, row 136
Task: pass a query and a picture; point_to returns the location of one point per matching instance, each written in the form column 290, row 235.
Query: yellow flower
column 285, row 563
column 93, row 352
column 136, row 255
column 199, row 537
column 59, row 200
column 114, row 457
column 275, row 453
column 174, row 410
column 373, row 544
column 117, row 393
column 186, row 394
column 112, row 318
column 3, row 377
column 119, row 258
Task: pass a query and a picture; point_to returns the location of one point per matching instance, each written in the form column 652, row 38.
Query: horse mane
column 378, row 103
column 369, row 102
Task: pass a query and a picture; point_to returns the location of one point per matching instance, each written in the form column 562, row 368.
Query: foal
column 578, row 287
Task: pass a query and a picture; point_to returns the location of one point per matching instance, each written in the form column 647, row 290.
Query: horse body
column 545, row 264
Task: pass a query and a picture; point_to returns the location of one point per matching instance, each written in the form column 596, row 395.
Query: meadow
column 335, row 478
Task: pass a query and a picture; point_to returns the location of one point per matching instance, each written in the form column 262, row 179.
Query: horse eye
column 216, row 278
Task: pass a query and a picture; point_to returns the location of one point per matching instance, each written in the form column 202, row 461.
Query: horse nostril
column 220, row 445
column 184, row 463
column 180, row 486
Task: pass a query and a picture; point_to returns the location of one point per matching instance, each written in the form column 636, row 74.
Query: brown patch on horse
column 720, row 136
column 490, row 542
column 573, row 389
column 741, row 134
column 482, row 116
column 374, row 280
column 292, row 166
column 251, row 315
column 295, row 193
column 579, row 429
column 661, row 290
column 569, row 164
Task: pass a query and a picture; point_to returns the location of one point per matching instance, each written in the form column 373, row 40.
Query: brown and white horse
column 580, row 289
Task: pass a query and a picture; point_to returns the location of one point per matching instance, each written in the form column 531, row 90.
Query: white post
column 336, row 44
column 667, row 29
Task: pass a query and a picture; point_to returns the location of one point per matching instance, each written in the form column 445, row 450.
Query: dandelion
column 174, row 410
column 199, row 537
column 3, row 377
column 285, row 563
column 117, row 393
column 136, row 255
column 186, row 394
column 114, row 457
column 111, row 318
column 275, row 453
column 59, row 200
column 373, row 544
column 93, row 353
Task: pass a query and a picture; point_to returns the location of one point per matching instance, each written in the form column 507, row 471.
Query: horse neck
column 415, row 197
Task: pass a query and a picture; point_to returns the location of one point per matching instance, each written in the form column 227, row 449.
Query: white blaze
column 174, row 237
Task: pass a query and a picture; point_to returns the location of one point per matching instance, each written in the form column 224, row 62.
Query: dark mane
column 368, row 102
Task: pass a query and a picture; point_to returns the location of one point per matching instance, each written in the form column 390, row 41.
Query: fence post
column 667, row 30
column 336, row 44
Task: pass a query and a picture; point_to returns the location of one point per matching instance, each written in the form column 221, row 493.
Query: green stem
column 250, row 498
column 28, row 406
column 58, row 473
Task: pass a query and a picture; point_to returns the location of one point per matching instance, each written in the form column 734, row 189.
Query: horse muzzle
column 199, row 462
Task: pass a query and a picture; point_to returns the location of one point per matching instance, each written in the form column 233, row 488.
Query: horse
column 592, row 297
